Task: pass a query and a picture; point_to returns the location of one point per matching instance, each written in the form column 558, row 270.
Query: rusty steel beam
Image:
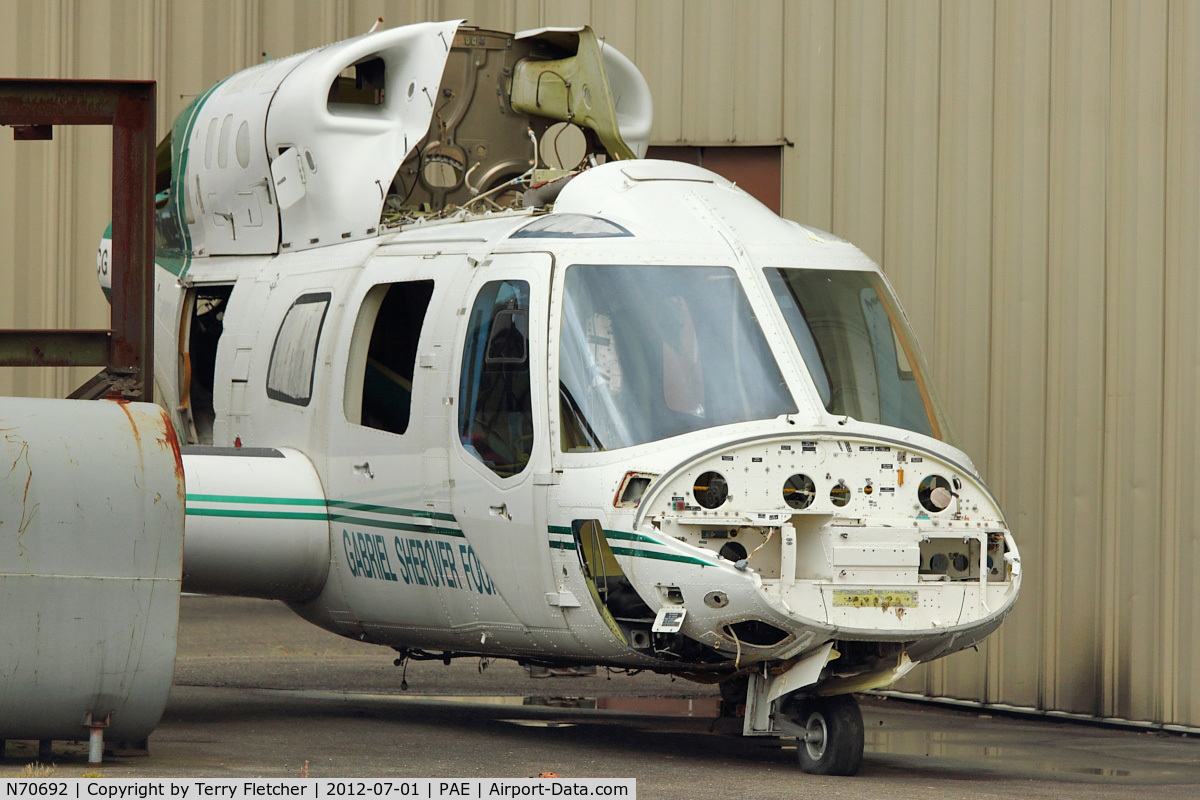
column 129, row 107
column 37, row 101
column 134, row 143
column 54, row 348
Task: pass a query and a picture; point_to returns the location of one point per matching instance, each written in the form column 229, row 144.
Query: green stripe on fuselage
column 407, row 512
column 627, row 551
column 387, row 524
column 626, row 536
column 266, row 501
column 392, row 525
column 246, row 513
column 328, row 514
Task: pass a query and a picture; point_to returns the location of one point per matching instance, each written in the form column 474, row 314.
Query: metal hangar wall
column 1027, row 173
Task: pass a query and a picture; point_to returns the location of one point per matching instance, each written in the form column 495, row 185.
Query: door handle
column 500, row 511
column 364, row 469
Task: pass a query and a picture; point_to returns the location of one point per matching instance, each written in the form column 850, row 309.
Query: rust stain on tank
column 27, row 514
column 122, row 403
column 171, row 439
column 132, row 424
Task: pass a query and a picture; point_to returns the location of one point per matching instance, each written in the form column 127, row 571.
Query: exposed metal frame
column 126, row 349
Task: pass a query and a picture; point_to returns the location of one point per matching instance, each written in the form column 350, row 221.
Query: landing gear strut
column 733, row 695
column 832, row 741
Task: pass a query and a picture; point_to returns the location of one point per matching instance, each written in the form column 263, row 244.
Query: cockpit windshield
column 858, row 348
column 651, row 352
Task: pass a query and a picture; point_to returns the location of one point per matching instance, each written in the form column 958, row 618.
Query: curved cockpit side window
column 858, row 348
column 495, row 412
column 383, row 355
column 294, row 355
column 168, row 226
column 651, row 352
column 172, row 209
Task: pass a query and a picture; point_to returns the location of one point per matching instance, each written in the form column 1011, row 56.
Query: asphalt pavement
column 259, row 692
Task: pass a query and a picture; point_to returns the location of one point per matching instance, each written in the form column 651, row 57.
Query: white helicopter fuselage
column 430, row 548
column 463, row 374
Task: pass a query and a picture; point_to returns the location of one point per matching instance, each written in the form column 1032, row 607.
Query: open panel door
column 201, row 326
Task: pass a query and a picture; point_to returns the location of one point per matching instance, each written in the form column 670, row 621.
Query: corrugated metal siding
column 1180, row 539
column 910, row 187
column 1134, row 370
column 1026, row 172
column 1020, row 235
column 1073, row 458
column 859, row 56
column 808, row 112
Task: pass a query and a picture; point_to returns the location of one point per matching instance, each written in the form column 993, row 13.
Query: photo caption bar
column 316, row 788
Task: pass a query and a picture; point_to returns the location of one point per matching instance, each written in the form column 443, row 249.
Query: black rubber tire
column 836, row 727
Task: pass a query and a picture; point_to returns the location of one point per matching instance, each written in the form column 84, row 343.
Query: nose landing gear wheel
column 833, row 735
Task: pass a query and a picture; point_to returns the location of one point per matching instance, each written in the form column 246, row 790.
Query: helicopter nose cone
column 873, row 539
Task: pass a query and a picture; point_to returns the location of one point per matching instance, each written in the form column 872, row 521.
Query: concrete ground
column 259, row 692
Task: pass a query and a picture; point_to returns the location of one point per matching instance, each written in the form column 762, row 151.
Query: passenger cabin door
column 386, row 525
column 500, row 450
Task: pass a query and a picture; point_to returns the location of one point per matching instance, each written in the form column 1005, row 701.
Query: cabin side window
column 495, row 412
column 383, row 355
column 294, row 355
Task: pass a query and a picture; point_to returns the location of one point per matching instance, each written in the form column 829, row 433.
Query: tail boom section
column 257, row 524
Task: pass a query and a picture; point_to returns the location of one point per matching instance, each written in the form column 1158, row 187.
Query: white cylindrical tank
column 91, row 544
column 257, row 525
